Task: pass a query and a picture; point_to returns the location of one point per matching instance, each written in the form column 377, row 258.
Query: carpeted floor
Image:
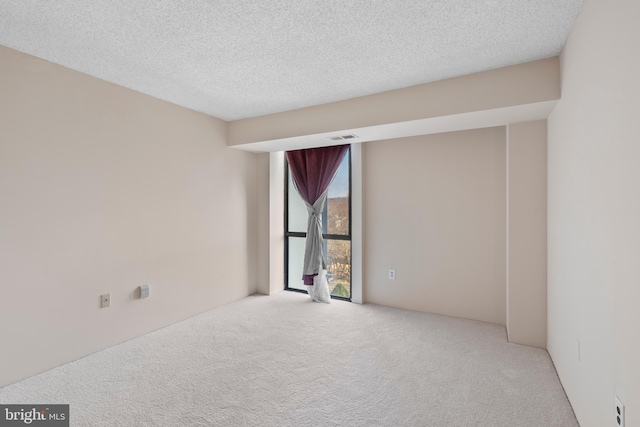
column 285, row 361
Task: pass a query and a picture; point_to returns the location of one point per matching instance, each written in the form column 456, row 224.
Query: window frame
column 325, row 236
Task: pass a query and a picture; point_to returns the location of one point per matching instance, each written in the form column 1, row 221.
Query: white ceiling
column 234, row 59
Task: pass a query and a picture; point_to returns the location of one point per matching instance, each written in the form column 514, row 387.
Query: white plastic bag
column 320, row 289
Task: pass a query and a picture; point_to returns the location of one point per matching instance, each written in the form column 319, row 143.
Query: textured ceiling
column 234, row 59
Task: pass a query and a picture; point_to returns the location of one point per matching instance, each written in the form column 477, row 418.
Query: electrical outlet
column 619, row 413
column 105, row 300
column 392, row 274
column 144, row 291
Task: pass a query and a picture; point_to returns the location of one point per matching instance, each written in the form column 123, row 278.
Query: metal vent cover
column 343, row 137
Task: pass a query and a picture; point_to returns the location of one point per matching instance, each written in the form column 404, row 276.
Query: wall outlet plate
column 619, row 413
column 105, row 300
column 144, row 291
column 392, row 274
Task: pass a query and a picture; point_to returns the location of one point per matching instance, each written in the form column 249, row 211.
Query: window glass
column 339, row 267
column 337, row 210
column 297, row 209
column 296, row 259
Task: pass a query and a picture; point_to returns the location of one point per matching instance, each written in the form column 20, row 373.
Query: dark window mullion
column 336, row 237
column 296, row 234
column 324, row 236
column 286, row 224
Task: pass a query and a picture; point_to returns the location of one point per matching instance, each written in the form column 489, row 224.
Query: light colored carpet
column 283, row 360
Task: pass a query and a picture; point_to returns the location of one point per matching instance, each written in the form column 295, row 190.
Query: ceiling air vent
column 343, row 137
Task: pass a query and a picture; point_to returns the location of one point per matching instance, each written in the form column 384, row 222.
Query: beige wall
column 594, row 214
column 527, row 233
column 276, row 221
column 264, row 195
column 517, row 85
column 103, row 189
column 434, row 210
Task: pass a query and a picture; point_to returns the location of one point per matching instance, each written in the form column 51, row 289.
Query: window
column 336, row 229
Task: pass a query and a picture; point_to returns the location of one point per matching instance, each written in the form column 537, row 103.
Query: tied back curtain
column 312, row 171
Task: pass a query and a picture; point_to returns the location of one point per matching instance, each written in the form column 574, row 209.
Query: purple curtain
column 312, row 171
